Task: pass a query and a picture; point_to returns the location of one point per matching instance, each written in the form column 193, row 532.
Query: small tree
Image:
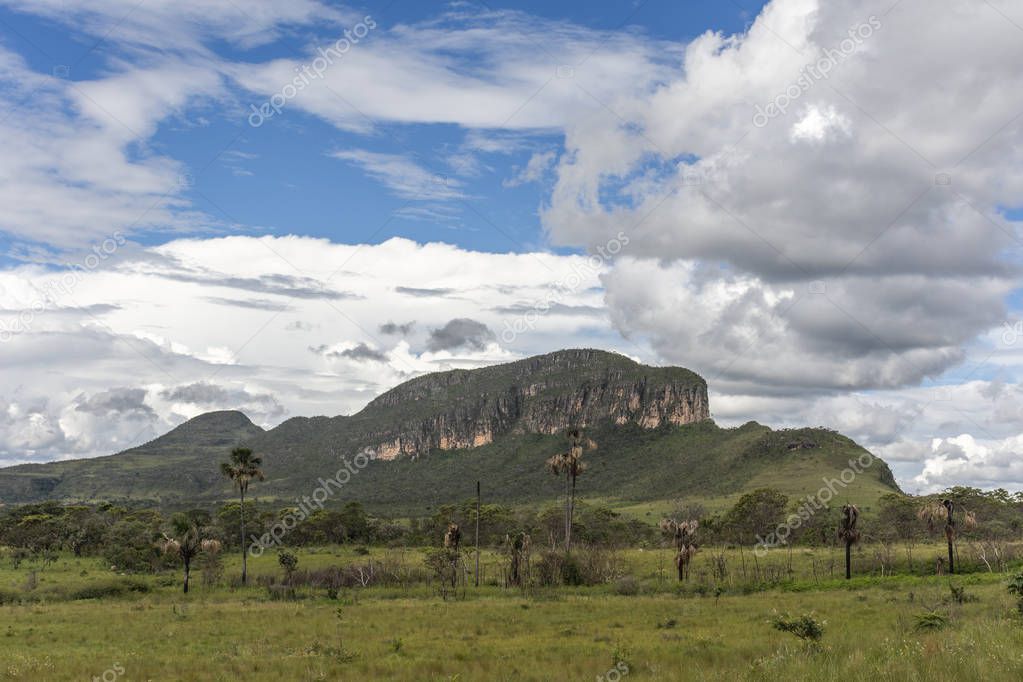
column 898, row 518
column 805, row 627
column 242, row 469
column 289, row 562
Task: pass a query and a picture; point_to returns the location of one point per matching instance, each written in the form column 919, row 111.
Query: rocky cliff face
column 546, row 394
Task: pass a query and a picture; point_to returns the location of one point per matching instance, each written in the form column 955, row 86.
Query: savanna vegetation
column 90, row 590
column 764, row 587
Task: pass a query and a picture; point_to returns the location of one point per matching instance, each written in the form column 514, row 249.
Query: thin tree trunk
column 477, row 533
column 571, row 509
column 187, row 570
column 568, row 524
column 245, row 554
column 951, row 560
column 848, row 560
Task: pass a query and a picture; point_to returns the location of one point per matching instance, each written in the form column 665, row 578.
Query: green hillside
column 521, row 407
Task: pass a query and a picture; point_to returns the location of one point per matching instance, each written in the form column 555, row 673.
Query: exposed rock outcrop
column 546, row 394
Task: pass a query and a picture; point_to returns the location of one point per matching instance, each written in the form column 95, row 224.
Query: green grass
column 410, row 633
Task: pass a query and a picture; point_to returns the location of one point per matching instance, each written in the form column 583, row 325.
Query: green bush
column 627, row 586
column 109, row 588
column 932, row 620
column 805, row 627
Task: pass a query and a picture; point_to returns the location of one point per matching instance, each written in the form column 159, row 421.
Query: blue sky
column 514, row 178
column 278, row 178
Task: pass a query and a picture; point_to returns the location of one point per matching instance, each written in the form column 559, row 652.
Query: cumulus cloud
column 178, row 319
column 460, row 333
column 855, row 241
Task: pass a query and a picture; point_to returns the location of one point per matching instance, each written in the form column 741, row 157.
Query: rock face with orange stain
column 546, row 394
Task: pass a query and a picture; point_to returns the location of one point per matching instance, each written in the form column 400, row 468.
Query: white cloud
column 168, row 324
column 490, row 70
column 826, row 241
column 537, row 167
column 403, row 176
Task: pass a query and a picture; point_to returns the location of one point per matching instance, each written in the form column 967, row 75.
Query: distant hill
column 436, row 435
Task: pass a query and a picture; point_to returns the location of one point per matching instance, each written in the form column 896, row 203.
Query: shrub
column 9, row 597
column 1016, row 588
column 571, row 571
column 959, row 595
column 109, row 588
column 281, row 593
column 627, row 586
column 805, row 627
column 932, row 620
column 288, row 561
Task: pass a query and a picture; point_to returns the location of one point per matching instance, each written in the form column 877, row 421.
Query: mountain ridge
column 435, row 434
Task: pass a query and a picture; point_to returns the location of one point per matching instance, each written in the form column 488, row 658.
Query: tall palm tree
column 242, row 469
column 572, row 465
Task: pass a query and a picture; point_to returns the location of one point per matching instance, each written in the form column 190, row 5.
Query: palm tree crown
column 243, row 468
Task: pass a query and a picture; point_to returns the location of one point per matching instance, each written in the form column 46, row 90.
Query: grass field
column 408, row 632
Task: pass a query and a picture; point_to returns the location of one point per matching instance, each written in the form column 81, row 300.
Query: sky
column 290, row 207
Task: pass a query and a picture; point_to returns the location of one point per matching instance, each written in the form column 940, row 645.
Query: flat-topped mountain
column 463, row 409
column 435, row 435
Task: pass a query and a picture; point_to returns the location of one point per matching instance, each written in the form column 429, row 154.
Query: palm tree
column 945, row 510
column 187, row 542
column 683, row 537
column 848, row 533
column 242, row 469
column 572, row 465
